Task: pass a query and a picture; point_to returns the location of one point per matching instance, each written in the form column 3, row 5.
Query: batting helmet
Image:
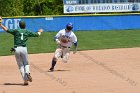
column 22, row 24
column 69, row 26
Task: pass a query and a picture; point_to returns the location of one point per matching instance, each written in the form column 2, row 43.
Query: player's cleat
column 29, row 78
column 51, row 70
column 26, row 83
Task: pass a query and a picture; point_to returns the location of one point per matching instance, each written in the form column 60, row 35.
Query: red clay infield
column 95, row 71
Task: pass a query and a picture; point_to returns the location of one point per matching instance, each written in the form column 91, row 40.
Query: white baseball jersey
column 70, row 35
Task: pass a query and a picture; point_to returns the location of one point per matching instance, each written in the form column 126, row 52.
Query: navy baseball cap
column 69, row 26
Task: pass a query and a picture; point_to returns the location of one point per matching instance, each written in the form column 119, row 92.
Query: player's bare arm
column 0, row 19
column 3, row 27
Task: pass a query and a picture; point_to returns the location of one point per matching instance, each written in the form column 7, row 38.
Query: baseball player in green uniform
column 21, row 54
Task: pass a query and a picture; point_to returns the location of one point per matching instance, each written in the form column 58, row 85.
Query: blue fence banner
column 81, row 23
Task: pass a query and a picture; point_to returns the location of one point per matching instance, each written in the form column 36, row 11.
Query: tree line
column 30, row 7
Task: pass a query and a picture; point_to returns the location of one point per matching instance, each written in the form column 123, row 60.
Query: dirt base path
column 95, row 71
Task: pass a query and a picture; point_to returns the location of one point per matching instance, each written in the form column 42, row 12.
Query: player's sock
column 53, row 64
column 22, row 71
column 27, row 69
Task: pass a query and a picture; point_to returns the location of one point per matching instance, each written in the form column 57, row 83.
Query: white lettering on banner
column 49, row 18
column 7, row 23
column 16, row 21
column 12, row 24
column 91, row 8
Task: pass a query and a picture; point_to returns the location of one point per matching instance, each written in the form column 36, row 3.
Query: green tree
column 30, row 7
column 49, row 7
column 17, row 8
column 4, row 7
column 11, row 8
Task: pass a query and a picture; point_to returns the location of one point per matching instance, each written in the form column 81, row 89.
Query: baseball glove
column 12, row 50
column 64, row 39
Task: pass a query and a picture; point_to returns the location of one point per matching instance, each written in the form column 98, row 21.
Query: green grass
column 108, row 39
column 87, row 40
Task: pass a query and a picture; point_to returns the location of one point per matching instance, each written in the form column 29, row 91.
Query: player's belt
column 64, row 46
column 20, row 46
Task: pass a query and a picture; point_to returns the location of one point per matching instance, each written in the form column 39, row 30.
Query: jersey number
column 21, row 36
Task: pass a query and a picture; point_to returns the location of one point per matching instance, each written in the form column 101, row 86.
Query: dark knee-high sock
column 53, row 64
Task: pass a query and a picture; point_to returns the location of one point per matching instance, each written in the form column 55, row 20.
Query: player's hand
column 40, row 30
column 57, row 42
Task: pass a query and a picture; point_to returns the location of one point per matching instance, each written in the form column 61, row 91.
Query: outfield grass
column 87, row 40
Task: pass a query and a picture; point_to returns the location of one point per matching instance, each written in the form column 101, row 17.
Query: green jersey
column 21, row 36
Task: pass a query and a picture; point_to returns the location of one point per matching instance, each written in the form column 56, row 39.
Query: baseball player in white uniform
column 65, row 38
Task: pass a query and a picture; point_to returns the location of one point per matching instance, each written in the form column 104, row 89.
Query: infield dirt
column 94, row 71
